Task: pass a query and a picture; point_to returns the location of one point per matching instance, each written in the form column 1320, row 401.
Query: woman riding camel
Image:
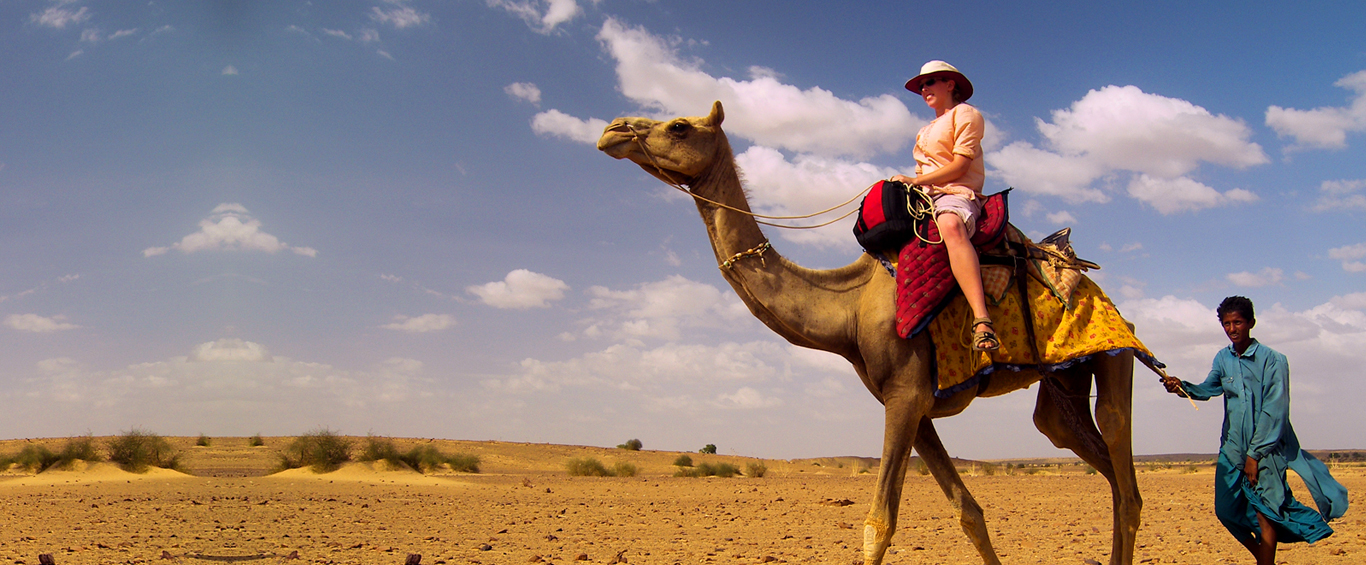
column 948, row 164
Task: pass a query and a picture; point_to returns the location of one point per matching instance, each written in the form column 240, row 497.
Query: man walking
column 1251, row 496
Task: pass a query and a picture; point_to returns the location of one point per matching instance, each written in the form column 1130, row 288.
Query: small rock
column 485, row 547
column 1090, row 562
column 582, row 557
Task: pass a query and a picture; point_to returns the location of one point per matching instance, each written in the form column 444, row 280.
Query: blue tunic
column 1256, row 390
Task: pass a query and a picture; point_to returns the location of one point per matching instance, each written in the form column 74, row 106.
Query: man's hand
column 1173, row 385
column 1250, row 470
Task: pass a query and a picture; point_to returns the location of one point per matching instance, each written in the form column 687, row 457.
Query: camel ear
column 718, row 114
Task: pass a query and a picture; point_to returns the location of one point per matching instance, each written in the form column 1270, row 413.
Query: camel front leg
column 970, row 516
column 903, row 414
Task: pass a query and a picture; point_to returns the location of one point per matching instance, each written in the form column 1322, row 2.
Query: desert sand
column 524, row 508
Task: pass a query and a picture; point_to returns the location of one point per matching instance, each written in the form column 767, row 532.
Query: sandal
column 984, row 340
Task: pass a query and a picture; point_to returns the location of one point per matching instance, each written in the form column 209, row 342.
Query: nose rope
column 635, row 135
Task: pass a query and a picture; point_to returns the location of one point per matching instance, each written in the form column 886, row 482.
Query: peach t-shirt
column 957, row 132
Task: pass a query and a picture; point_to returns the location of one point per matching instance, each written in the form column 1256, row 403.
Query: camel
column 849, row 311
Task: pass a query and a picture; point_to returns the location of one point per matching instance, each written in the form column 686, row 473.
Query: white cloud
column 1323, row 127
column 632, row 366
column 1170, row 196
column 74, row 54
column 230, row 70
column 559, row 124
column 230, row 228
column 1038, row 171
column 337, row 33
column 524, row 91
column 651, row 72
column 662, row 310
column 1354, row 301
column 1061, row 217
column 91, row 36
column 1351, row 256
column 58, row 17
column 229, row 349
column 807, row 184
column 38, row 324
column 1122, row 129
column 520, row 289
column 747, row 398
column 1266, row 277
column 399, row 16
column 1337, row 195
column 541, row 15
column 421, row 324
column 123, row 33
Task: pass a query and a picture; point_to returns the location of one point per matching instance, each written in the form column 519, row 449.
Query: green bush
column 35, row 458
column 203, row 441
column 624, row 469
column 380, row 449
column 421, row 458
column 256, row 441
column 463, row 463
column 683, row 461
column 921, row 467
column 709, row 449
column 631, row 445
column 136, row 450
column 321, row 450
column 755, row 470
column 586, row 467
column 723, row 470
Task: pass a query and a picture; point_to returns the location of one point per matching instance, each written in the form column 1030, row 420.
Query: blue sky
column 388, row 216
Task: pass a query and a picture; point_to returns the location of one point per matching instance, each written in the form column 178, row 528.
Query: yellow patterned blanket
column 1064, row 334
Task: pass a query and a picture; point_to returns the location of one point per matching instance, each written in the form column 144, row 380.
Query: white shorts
column 968, row 209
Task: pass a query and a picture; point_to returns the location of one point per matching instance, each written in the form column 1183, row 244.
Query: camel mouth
column 615, row 143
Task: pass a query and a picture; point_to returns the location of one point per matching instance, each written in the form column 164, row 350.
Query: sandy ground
column 524, row 508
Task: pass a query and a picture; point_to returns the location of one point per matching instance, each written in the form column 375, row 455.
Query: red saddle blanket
column 924, row 282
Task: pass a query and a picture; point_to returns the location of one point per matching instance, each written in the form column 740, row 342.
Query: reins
column 635, row 135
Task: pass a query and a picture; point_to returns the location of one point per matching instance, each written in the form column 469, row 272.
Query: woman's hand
column 903, row 179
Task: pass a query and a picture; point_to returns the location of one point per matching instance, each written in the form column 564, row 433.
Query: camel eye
column 679, row 127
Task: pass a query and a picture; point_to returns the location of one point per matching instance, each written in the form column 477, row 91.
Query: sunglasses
column 932, row 81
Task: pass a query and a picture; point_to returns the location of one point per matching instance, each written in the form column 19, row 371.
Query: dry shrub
column 421, row 458
column 256, row 441
column 137, row 450
column 624, row 469
column 755, row 470
column 586, row 467
column 683, row 461
column 203, row 441
column 322, row 450
column 723, row 470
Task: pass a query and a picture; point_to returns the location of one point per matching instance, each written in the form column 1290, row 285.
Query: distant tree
column 709, row 449
column 631, row 445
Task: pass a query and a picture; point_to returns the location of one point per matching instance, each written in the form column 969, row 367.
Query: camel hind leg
column 1063, row 414
column 970, row 515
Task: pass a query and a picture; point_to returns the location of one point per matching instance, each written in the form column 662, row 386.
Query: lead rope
column 646, row 150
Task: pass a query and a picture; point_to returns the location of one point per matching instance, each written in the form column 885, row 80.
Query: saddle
column 923, row 278
column 925, row 283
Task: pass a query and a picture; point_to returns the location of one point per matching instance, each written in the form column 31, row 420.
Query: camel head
column 678, row 151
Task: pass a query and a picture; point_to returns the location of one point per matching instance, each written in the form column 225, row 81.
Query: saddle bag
column 885, row 218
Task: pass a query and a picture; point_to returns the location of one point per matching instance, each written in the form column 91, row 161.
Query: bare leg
column 963, row 261
column 1266, row 552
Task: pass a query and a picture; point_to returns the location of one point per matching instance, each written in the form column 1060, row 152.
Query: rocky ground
column 524, row 508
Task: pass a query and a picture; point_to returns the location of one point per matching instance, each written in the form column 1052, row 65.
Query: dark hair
column 1238, row 304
